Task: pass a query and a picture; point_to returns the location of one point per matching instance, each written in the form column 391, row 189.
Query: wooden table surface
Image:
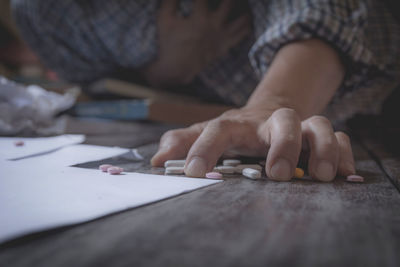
column 239, row 222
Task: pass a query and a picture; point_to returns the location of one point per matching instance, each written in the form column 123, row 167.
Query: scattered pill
column 174, row 170
column 115, row 170
column 299, row 173
column 355, row 179
column 174, row 163
column 251, row 173
column 240, row 167
column 105, row 167
column 225, row 169
column 19, row 143
column 231, row 162
column 214, row 175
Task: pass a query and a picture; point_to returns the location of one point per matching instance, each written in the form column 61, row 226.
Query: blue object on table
column 116, row 110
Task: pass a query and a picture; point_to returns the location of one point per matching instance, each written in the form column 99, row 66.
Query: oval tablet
column 174, row 170
column 298, row 173
column 251, row 173
column 174, row 163
column 240, row 167
column 355, row 179
column 19, row 143
column 225, row 169
column 105, row 167
column 115, row 170
column 231, row 162
column 213, row 175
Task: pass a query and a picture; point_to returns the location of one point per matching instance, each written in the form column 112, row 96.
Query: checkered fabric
column 84, row 40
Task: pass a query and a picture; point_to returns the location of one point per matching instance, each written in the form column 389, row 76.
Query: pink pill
column 115, row 170
column 213, row 175
column 355, row 179
column 105, row 167
column 19, row 143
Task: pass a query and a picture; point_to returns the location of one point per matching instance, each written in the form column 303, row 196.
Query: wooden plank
column 117, row 133
column 237, row 223
column 380, row 137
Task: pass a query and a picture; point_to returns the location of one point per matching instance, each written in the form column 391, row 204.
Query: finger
column 208, row 148
column 168, row 8
column 346, row 159
column 282, row 132
column 175, row 144
column 324, row 148
column 200, row 7
column 223, row 10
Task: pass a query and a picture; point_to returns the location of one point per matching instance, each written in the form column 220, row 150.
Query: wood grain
column 239, row 222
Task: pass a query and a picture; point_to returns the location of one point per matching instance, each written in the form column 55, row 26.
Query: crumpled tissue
column 31, row 110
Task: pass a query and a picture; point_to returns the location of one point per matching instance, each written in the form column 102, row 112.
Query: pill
column 174, row 170
column 214, row 175
column 251, row 173
column 298, row 173
column 355, row 179
column 19, row 143
column 240, row 167
column 105, row 167
column 231, row 162
column 225, row 169
column 174, row 163
column 115, row 170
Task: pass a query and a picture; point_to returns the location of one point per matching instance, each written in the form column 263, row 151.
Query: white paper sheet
column 41, row 192
column 34, row 146
column 75, row 154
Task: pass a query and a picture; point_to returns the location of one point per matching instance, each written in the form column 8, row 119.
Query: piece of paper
column 35, row 146
column 74, row 154
column 42, row 192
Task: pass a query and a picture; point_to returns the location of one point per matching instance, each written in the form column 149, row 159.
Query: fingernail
column 325, row 170
column 281, row 170
column 197, row 167
column 158, row 153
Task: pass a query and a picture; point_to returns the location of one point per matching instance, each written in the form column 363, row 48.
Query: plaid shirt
column 84, row 40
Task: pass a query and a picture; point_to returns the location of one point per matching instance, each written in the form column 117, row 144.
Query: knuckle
column 172, row 135
column 319, row 120
column 222, row 124
column 290, row 139
column 342, row 136
column 284, row 111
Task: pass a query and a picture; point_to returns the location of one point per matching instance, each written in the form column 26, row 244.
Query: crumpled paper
column 31, row 110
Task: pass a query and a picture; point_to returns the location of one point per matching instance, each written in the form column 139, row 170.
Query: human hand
column 188, row 44
column 279, row 135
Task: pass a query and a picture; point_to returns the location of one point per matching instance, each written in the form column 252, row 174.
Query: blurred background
column 17, row 61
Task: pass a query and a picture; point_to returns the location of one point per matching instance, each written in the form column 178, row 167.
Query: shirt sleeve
column 364, row 33
column 86, row 40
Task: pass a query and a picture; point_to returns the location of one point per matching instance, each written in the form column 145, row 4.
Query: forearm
column 304, row 76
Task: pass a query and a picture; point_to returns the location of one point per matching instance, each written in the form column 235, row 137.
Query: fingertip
column 197, row 167
column 281, row 170
column 346, row 169
column 325, row 171
column 156, row 160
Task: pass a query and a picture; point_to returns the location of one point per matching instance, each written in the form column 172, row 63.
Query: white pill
column 174, row 170
column 240, row 167
column 174, row 163
column 225, row 169
column 251, row 173
column 231, row 162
